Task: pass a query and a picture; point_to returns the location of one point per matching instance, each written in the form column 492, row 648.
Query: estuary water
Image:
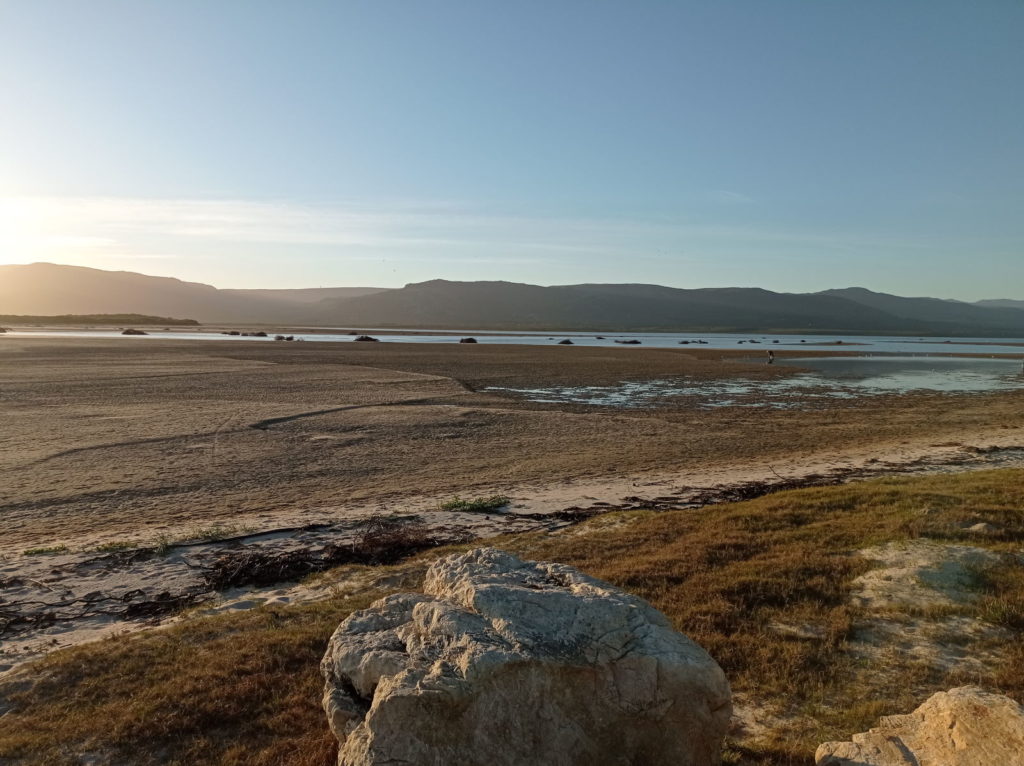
column 756, row 342
column 819, row 380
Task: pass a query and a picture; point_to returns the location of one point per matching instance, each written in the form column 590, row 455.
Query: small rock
column 983, row 528
column 966, row 726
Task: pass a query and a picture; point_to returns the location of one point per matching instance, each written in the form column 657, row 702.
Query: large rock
column 966, row 726
column 504, row 662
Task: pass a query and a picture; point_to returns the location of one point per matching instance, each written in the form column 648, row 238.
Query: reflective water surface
column 758, row 343
column 821, row 379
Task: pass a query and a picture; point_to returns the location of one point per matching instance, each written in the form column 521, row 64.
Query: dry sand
column 111, row 442
column 104, row 440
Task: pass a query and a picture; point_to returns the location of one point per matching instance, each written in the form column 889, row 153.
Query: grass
column 201, row 534
column 1003, row 602
column 45, row 550
column 234, row 690
column 245, row 688
column 475, row 505
column 115, row 545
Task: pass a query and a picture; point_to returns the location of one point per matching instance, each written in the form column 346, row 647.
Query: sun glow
column 33, row 229
column 22, row 230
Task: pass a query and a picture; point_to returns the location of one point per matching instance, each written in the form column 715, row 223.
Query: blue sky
column 790, row 145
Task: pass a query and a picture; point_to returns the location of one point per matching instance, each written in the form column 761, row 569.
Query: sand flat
column 102, row 439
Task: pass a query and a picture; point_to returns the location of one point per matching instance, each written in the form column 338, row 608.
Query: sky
column 791, row 145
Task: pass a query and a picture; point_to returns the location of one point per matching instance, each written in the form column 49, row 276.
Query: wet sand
column 106, row 441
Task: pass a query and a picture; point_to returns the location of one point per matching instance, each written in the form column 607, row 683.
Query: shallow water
column 900, row 374
column 759, row 343
column 828, row 379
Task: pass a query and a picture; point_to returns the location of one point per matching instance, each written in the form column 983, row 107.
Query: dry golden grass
column 242, row 689
column 763, row 585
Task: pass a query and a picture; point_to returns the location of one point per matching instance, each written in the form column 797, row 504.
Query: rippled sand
column 103, row 440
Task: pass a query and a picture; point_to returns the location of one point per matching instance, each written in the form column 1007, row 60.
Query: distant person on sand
column 771, row 357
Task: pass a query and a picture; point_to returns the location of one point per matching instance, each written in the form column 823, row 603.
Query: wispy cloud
column 41, row 225
column 84, row 227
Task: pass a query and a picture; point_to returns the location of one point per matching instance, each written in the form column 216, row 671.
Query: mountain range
column 48, row 289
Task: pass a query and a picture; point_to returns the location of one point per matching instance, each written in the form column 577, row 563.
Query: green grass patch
column 115, row 545
column 45, row 550
column 476, row 505
column 212, row 533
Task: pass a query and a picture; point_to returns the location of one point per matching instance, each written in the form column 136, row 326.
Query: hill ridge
column 51, row 289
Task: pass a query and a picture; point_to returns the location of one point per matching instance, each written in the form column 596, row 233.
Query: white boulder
column 966, row 726
column 504, row 662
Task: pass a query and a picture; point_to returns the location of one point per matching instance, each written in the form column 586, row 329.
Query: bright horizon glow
column 127, row 235
column 794, row 147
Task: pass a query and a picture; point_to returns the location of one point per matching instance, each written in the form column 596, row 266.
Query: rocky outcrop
column 504, row 662
column 966, row 726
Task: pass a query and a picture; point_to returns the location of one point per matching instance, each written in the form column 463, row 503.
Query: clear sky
column 790, row 145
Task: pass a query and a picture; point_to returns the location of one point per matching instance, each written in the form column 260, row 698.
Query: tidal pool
column 820, row 379
column 900, row 374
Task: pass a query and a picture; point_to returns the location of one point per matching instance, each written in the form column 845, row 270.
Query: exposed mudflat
column 105, row 441
column 121, row 457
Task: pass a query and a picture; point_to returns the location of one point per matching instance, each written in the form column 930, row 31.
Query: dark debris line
column 385, row 541
column 20, row 617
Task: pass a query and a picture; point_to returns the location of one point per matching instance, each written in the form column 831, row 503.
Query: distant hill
column 115, row 320
column 1001, row 303
column 945, row 317
column 50, row 289
column 508, row 305
column 307, row 294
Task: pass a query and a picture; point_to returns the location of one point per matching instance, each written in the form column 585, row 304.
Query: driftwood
column 386, row 541
column 18, row 617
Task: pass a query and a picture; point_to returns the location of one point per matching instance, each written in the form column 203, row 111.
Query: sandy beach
column 106, row 441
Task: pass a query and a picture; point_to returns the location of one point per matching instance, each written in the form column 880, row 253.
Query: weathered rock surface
column 503, row 662
column 966, row 726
